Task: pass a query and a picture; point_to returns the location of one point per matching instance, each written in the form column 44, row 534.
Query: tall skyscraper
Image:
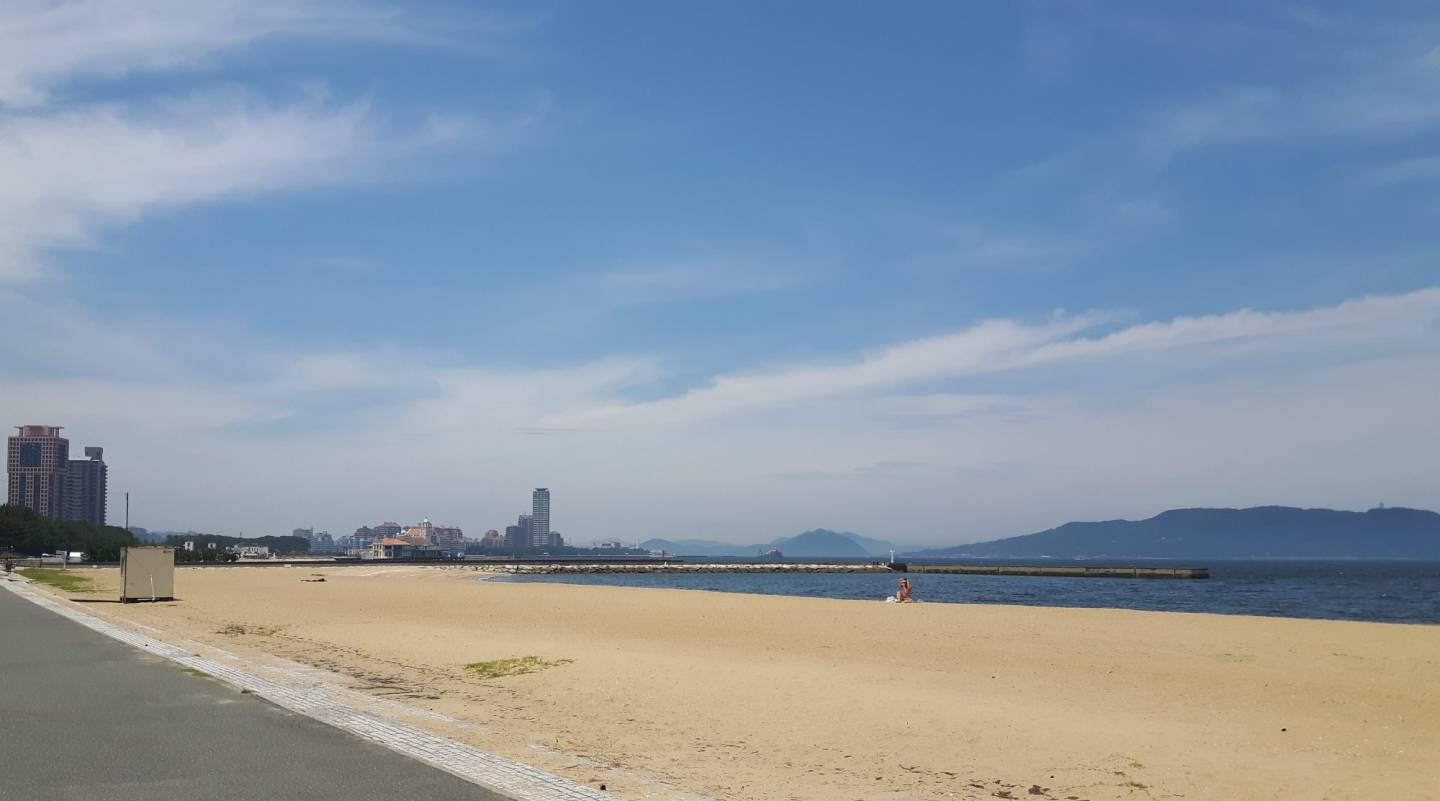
column 540, row 518
column 36, row 461
column 85, row 488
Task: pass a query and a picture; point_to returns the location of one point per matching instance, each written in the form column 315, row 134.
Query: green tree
column 29, row 533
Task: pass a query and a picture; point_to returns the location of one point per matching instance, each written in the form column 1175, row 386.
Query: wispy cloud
column 978, row 348
column 1001, row 345
column 75, row 171
column 1340, row 78
column 1371, row 78
column 44, row 44
column 74, row 168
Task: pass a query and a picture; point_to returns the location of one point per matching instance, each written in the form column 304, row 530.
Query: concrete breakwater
column 543, row 569
column 1063, row 571
column 874, row 567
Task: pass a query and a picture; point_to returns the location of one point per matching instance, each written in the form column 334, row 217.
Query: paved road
column 85, row 717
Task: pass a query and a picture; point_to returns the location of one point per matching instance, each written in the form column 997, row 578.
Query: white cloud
column 974, row 349
column 75, row 171
column 72, row 169
column 44, row 44
column 1390, row 319
column 1000, row 345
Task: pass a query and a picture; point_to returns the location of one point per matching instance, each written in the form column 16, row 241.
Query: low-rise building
column 390, row 548
column 396, row 548
column 419, row 536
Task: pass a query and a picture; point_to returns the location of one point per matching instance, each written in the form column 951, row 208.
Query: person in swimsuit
column 903, row 596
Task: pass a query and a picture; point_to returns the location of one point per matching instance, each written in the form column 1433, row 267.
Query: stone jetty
column 673, row 567
column 1062, row 571
column 1055, row 571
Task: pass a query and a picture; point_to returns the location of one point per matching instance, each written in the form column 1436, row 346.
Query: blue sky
column 935, row 272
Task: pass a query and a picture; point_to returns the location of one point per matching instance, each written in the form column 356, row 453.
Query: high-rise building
column 362, row 537
column 387, row 529
column 85, row 488
column 451, row 539
column 306, row 534
column 37, row 460
column 540, row 518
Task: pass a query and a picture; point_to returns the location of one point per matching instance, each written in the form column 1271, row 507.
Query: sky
column 931, row 272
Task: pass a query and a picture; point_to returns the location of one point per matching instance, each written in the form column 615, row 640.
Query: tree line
column 24, row 532
column 284, row 546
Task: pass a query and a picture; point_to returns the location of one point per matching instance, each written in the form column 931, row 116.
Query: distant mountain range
column 1262, row 531
column 159, row 537
column 818, row 542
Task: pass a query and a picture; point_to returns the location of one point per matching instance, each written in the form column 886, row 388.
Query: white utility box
column 147, row 574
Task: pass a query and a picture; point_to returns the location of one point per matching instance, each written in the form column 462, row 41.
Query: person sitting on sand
column 903, row 596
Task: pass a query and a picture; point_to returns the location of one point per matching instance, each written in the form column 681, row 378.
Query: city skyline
column 937, row 273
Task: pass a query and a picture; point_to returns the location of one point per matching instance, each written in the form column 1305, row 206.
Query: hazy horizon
column 931, row 273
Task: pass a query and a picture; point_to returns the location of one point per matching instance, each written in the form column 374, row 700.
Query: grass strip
column 518, row 666
column 238, row 629
column 66, row 580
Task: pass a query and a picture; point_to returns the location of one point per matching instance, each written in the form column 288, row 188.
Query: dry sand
column 759, row 698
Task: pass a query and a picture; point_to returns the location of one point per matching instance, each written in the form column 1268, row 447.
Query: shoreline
column 757, row 697
column 634, row 581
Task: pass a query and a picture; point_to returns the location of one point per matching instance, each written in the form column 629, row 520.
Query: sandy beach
column 757, row 698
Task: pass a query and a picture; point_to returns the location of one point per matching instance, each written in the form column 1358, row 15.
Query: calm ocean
column 1387, row 591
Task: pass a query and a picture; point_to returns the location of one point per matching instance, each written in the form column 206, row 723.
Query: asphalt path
column 83, row 716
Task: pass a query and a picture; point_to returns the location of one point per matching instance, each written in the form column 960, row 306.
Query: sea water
column 1385, row 591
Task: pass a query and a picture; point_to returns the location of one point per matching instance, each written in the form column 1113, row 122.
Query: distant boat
column 773, row 553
